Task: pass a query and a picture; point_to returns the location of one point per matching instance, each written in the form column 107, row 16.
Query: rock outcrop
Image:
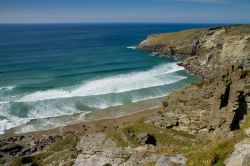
column 241, row 154
column 215, row 106
column 218, row 104
column 203, row 51
column 96, row 150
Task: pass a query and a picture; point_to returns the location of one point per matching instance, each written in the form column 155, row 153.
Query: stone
column 136, row 157
column 155, row 120
column 164, row 161
column 171, row 161
column 178, row 159
column 97, row 159
column 2, row 143
column 240, row 155
column 247, row 132
column 246, row 161
column 203, row 131
column 96, row 150
column 144, row 138
column 11, row 148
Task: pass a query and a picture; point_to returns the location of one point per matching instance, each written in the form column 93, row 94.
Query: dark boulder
column 144, row 138
column 11, row 148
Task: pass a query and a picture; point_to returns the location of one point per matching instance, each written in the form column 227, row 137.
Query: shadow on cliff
column 239, row 114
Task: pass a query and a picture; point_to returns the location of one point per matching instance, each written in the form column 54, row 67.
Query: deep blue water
column 51, row 70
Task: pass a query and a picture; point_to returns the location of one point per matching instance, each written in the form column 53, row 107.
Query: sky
column 118, row 11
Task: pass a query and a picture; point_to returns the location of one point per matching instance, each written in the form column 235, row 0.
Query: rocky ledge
column 203, row 51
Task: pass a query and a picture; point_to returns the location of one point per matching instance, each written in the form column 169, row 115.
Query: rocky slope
column 221, row 54
column 213, row 107
column 203, row 51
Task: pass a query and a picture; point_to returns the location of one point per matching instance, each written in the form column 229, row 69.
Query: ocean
column 53, row 70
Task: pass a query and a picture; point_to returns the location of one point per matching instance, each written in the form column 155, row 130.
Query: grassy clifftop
column 203, row 51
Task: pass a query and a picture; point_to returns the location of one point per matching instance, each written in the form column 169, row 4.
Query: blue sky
column 169, row 11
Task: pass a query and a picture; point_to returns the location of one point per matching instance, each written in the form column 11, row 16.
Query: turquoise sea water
column 49, row 70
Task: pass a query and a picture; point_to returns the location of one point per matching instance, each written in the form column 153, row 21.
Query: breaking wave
column 131, row 47
column 94, row 94
column 114, row 84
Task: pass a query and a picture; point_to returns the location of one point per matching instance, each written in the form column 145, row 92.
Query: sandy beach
column 97, row 121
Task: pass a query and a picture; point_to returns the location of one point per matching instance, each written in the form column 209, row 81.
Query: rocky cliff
column 216, row 108
column 213, row 107
column 203, row 51
column 221, row 54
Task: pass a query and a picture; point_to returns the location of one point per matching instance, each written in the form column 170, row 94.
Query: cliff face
column 215, row 106
column 203, row 51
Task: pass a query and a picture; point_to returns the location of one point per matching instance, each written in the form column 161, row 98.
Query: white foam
column 47, row 109
column 103, row 104
column 131, row 47
column 144, row 41
column 3, row 102
column 39, row 111
column 7, row 88
column 113, row 84
column 10, row 123
column 149, row 97
column 44, row 108
column 50, row 124
column 174, row 69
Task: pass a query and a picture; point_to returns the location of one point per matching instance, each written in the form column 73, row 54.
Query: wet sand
column 91, row 126
column 98, row 120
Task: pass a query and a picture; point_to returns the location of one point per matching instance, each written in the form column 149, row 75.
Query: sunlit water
column 50, row 70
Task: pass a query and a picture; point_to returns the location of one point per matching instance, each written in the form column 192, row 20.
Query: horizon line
column 235, row 23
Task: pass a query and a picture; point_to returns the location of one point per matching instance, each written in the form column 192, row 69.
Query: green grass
column 116, row 136
column 187, row 36
column 205, row 153
column 169, row 142
column 2, row 161
column 217, row 151
column 62, row 150
column 242, row 29
column 69, row 143
column 203, row 83
column 176, row 38
column 165, row 138
column 16, row 161
column 214, row 154
column 150, row 164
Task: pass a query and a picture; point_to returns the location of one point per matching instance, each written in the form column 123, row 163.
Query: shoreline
column 98, row 125
column 87, row 127
column 111, row 116
column 164, row 89
column 94, row 114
